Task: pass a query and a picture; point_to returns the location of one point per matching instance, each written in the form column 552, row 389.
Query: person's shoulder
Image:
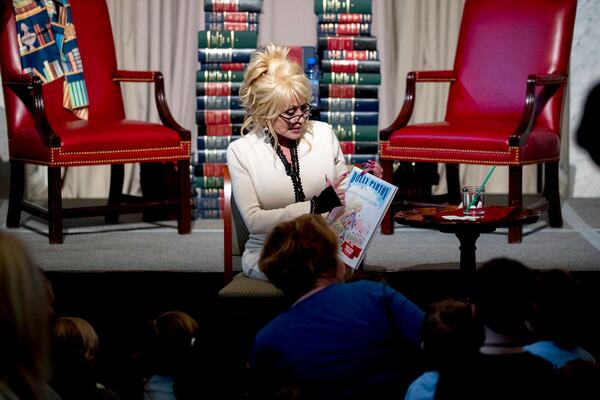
column 244, row 142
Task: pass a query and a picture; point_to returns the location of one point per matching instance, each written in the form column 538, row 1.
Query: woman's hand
column 373, row 167
column 341, row 193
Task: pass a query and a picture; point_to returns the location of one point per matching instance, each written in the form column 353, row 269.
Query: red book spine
column 349, row 18
column 216, row 117
column 238, row 16
column 356, row 54
column 348, row 29
column 347, row 147
column 219, row 130
column 222, row 6
column 340, row 43
column 218, row 89
column 235, row 26
column 344, row 66
column 341, row 91
column 213, row 169
column 233, row 66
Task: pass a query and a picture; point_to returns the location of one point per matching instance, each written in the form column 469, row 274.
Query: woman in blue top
column 338, row 340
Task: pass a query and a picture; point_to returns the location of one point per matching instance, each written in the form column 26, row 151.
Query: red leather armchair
column 41, row 131
column 505, row 101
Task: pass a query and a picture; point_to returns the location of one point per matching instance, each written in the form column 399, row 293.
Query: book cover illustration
column 367, row 200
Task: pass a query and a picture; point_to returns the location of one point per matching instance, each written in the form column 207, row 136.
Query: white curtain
column 155, row 35
column 162, row 34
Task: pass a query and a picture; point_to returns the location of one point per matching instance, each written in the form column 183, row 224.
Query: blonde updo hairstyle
column 272, row 82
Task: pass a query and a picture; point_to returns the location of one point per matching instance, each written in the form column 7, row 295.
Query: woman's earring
column 267, row 135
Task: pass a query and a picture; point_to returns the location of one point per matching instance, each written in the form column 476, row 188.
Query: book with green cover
column 343, row 6
column 362, row 133
column 227, row 39
column 219, row 76
column 351, row 79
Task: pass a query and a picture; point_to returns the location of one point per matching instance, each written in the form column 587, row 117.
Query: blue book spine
column 354, row 104
column 218, row 103
column 349, row 117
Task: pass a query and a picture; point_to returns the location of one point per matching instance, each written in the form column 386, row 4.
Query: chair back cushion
column 239, row 231
column 500, row 43
column 95, row 41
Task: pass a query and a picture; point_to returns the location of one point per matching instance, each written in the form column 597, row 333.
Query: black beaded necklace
column 292, row 170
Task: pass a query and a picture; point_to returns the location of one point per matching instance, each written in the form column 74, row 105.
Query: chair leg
column 515, row 199
column 387, row 224
column 552, row 194
column 115, row 195
column 15, row 199
column 184, row 216
column 540, row 178
column 453, row 183
column 55, row 226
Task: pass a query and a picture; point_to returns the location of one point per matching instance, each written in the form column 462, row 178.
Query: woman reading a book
column 284, row 165
column 351, row 340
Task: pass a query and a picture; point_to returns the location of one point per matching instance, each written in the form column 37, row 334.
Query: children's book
column 367, row 200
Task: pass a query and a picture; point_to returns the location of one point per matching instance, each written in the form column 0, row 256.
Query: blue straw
column 479, row 190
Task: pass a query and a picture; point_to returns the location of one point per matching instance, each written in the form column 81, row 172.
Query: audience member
column 559, row 318
column 74, row 347
column 162, row 371
column 338, row 340
column 451, row 339
column 579, row 379
column 503, row 302
column 24, row 325
column 589, row 127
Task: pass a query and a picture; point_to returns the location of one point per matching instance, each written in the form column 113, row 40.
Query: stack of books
column 350, row 75
column 229, row 37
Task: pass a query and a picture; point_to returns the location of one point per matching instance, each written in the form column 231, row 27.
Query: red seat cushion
column 472, row 141
column 101, row 142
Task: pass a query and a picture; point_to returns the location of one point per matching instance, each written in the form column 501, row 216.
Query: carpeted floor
column 137, row 246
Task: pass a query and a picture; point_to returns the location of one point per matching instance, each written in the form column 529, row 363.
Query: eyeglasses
column 292, row 118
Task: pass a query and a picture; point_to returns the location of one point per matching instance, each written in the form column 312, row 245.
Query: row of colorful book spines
column 358, row 133
column 335, row 78
column 246, row 16
column 225, row 117
column 219, row 39
column 233, row 5
column 327, row 65
column 222, row 142
column 220, row 156
column 242, row 55
column 325, row 90
column 325, row 103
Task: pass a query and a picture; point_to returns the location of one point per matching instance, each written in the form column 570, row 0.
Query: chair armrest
column 159, row 96
column 227, row 231
column 533, row 107
column 29, row 89
column 409, row 97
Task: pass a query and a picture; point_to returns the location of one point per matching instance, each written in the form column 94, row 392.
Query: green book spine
column 208, row 182
column 343, row 6
column 219, row 76
column 227, row 39
column 362, row 133
column 351, row 79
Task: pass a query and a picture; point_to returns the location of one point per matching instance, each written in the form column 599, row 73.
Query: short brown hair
column 298, row 252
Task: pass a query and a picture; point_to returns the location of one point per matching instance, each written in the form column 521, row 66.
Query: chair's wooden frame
column 533, row 105
column 29, row 89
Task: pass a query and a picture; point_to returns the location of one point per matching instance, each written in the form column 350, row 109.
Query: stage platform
column 132, row 245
